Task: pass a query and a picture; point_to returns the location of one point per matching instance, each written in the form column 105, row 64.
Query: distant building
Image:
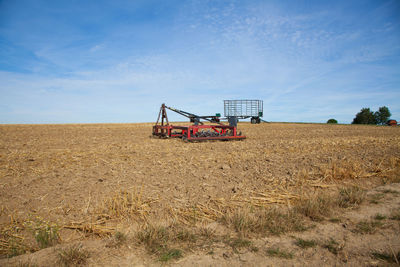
column 392, row 123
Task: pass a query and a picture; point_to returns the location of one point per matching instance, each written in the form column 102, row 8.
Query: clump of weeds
column 117, row 240
column 264, row 221
column 395, row 214
column 153, row 237
column 334, row 220
column 390, row 191
column 303, row 243
column 351, row 197
column 390, row 257
column 157, row 240
column 316, row 208
column 238, row 243
column 333, row 246
column 379, row 217
column 207, row 233
column 277, row 252
column 73, row 255
column 13, row 247
column 170, row 254
column 367, row 227
column 45, row 233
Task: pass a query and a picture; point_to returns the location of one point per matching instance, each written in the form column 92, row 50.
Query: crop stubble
column 93, row 176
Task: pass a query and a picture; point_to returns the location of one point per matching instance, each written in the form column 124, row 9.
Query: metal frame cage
column 243, row 108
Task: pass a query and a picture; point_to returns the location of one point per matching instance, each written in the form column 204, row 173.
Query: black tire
column 253, row 120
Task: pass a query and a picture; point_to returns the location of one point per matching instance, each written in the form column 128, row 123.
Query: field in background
column 68, row 183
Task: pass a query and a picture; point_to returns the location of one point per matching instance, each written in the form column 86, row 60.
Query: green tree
column 382, row 115
column 365, row 116
column 331, row 121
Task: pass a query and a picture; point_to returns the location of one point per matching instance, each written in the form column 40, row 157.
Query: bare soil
column 78, row 177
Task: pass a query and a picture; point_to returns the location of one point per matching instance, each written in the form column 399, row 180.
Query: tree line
column 367, row 116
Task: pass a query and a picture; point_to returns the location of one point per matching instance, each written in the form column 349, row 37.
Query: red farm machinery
column 198, row 131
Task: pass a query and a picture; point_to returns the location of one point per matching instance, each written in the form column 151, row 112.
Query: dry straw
column 97, row 228
column 123, row 205
column 127, row 204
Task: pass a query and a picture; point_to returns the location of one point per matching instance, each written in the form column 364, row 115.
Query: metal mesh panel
column 243, row 108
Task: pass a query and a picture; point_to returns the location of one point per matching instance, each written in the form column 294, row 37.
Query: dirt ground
column 92, row 180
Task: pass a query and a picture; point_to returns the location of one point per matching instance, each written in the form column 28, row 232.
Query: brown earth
column 92, row 180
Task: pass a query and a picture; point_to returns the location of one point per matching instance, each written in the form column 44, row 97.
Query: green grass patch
column 395, row 214
column 264, row 221
column 379, row 217
column 185, row 235
column 117, row 240
column 277, row 252
column 120, row 237
column 387, row 256
column 332, row 246
column 367, row 227
column 238, row 243
column 14, row 248
column 153, row 237
column 305, row 243
column 170, row 254
column 390, row 191
column 45, row 233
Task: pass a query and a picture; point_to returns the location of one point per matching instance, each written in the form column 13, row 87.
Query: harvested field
column 91, row 180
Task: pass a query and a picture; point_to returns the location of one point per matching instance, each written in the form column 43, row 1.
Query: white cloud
column 96, row 48
column 209, row 53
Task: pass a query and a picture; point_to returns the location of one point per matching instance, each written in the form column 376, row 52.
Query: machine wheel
column 258, row 120
column 253, row 120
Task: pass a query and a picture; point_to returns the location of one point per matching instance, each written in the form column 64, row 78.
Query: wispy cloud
column 305, row 63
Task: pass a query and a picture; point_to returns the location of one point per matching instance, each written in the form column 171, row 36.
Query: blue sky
column 117, row 61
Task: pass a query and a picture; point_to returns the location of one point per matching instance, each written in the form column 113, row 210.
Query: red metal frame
column 193, row 132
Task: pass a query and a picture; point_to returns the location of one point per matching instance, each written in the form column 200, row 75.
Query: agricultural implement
column 196, row 132
column 244, row 109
